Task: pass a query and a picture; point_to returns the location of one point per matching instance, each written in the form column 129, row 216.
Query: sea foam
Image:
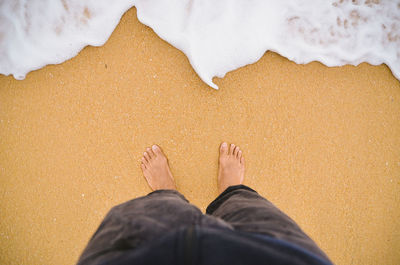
column 216, row 36
column 34, row 33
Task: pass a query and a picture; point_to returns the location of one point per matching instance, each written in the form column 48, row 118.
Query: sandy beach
column 323, row 144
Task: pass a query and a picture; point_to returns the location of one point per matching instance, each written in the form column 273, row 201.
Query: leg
column 247, row 211
column 136, row 222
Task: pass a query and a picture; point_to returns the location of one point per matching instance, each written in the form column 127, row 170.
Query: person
column 239, row 227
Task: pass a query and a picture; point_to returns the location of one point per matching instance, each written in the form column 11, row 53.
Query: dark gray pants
column 132, row 223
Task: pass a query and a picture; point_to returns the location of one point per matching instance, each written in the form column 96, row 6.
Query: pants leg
column 247, row 211
column 133, row 223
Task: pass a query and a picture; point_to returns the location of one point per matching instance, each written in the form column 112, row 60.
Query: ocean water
column 216, row 36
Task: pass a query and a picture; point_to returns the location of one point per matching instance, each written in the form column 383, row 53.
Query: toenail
column 154, row 147
column 224, row 144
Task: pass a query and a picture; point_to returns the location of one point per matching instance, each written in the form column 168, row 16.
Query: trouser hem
column 225, row 195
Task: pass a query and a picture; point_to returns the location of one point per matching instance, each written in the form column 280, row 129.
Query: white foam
column 34, row 33
column 216, row 36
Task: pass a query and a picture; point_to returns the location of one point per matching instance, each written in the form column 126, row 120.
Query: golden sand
column 321, row 143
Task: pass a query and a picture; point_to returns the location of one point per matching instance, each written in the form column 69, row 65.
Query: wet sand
column 321, row 143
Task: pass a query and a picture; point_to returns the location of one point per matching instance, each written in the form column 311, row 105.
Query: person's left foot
column 156, row 169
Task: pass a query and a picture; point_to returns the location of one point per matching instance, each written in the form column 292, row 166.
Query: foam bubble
column 216, row 36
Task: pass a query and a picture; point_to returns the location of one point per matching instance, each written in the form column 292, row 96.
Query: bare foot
column 231, row 166
column 156, row 169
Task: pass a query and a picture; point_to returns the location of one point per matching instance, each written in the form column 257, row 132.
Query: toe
column 236, row 151
column 156, row 150
column 146, row 156
column 231, row 149
column 143, row 166
column 242, row 160
column 150, row 152
column 224, row 149
column 239, row 154
column 144, row 162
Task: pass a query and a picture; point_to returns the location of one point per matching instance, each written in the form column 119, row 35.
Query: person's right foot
column 231, row 166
